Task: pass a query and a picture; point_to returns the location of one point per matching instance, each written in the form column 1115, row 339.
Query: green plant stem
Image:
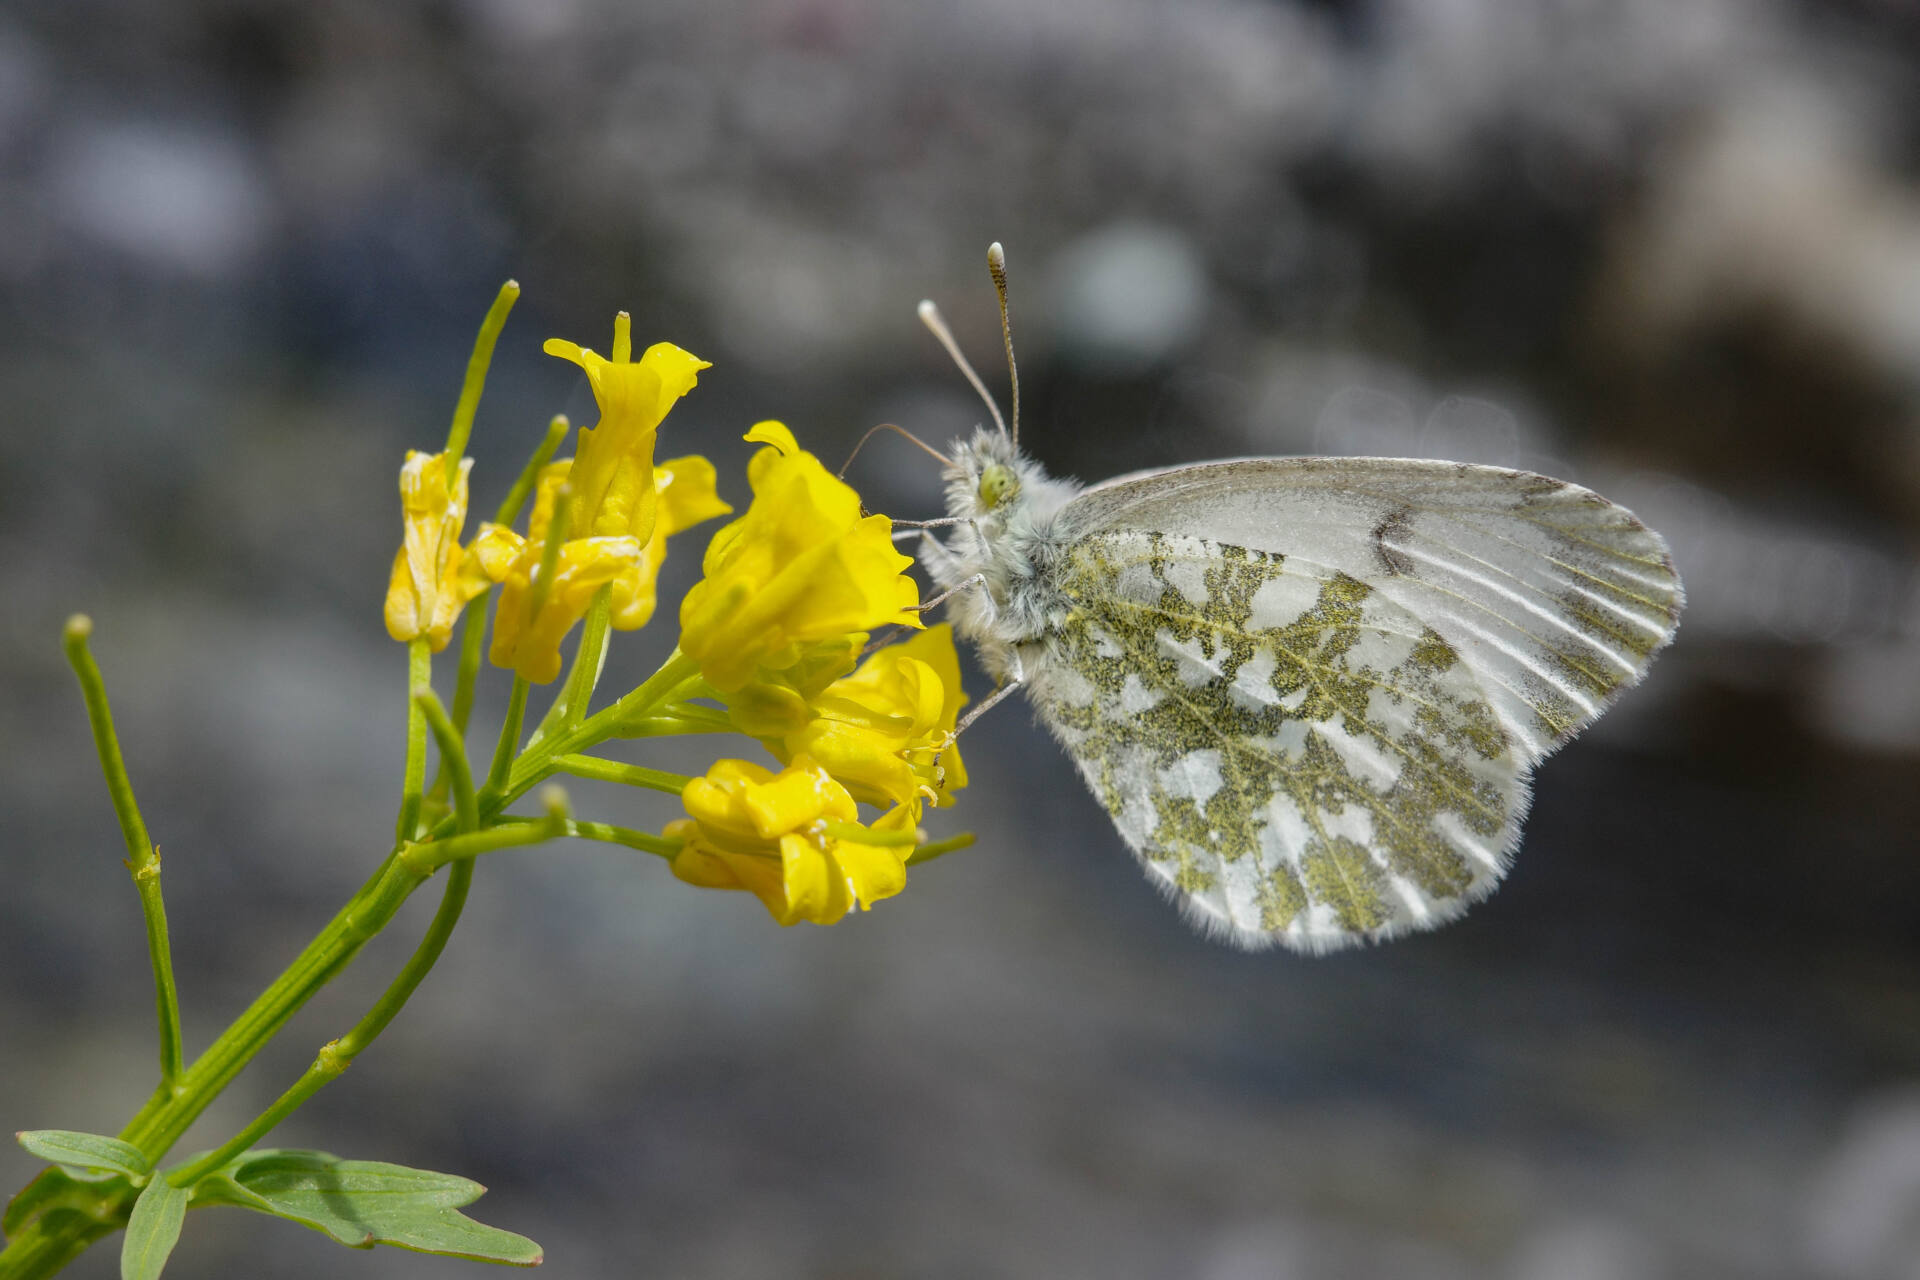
column 535, row 598
column 632, row 775
column 678, row 718
column 154, row 1129
column 337, row 1055
column 538, row 761
column 476, row 379
column 473, row 638
column 143, row 860
column 934, row 848
column 607, row 833
column 571, row 706
column 427, row 858
column 46, row 1242
column 530, row 474
column 453, row 757
column 509, row 734
column 419, row 675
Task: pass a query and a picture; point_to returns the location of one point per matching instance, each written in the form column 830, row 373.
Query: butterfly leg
column 1016, row 676
column 965, row 584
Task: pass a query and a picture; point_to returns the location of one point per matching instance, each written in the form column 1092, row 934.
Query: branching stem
column 143, row 860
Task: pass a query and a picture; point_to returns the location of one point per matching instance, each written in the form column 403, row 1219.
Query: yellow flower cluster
column 792, row 839
column 790, row 595
column 619, row 511
column 881, row 731
column 533, row 618
column 792, row 591
column 614, row 534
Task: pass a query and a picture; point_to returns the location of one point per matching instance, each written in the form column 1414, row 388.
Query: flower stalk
column 419, row 675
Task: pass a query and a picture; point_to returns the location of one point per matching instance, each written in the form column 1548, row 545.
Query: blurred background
column 1667, row 248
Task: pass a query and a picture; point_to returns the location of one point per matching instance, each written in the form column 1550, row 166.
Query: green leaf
column 85, row 1151
column 57, row 1191
column 361, row 1203
column 152, row 1230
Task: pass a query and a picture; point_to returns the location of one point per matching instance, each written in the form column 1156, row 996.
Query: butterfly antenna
column 930, row 317
column 897, row 429
column 997, row 268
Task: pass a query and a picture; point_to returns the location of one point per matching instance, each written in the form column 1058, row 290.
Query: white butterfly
column 1309, row 691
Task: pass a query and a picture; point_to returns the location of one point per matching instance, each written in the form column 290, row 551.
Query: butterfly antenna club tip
column 997, row 268
column 936, row 324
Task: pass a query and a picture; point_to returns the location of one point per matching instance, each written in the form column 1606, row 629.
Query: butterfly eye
column 997, row 484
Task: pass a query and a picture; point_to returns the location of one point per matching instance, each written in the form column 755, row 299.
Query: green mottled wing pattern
column 1331, row 744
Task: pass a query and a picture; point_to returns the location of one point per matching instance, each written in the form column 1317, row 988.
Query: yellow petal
column 774, row 433
column 934, row 646
column 613, row 491
column 529, row 625
column 797, row 797
column 696, row 863
column 546, row 492
column 801, row 565
column 688, row 492
column 768, row 709
column 766, row 833
column 868, row 762
column 423, row 590
column 688, row 495
column 718, row 803
column 404, row 621
column 496, row 549
column 870, row 872
column 811, row 886
column 762, row 875
column 884, row 732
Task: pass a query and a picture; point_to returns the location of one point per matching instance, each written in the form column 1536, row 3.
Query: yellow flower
column 801, row 566
column 880, row 731
column 791, row 839
column 613, row 484
column 530, row 621
column 433, row 579
column 687, row 496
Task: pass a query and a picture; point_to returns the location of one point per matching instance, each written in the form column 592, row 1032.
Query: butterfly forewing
column 1554, row 597
column 1310, row 691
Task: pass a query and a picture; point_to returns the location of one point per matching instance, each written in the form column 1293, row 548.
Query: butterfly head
column 982, row 476
column 988, row 478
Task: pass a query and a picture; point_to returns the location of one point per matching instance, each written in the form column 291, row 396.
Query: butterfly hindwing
column 1310, row 691
column 1294, row 754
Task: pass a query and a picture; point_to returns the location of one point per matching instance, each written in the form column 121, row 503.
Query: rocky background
column 1669, row 248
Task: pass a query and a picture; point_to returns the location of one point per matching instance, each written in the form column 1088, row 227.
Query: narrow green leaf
column 85, row 1151
column 152, row 1230
column 361, row 1203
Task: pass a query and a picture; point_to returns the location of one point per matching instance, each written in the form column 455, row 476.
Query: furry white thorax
column 1011, row 545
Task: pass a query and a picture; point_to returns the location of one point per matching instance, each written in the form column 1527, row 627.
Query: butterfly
column 1308, row 691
